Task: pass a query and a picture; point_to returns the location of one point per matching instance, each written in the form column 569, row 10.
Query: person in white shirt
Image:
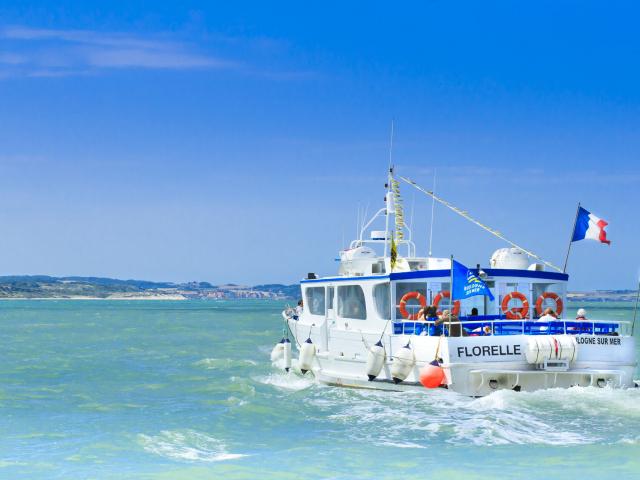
column 548, row 315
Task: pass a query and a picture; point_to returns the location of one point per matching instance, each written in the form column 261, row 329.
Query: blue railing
column 498, row 325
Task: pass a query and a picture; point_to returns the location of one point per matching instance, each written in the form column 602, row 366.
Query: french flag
column 590, row 227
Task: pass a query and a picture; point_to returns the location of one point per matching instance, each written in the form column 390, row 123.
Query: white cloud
column 45, row 52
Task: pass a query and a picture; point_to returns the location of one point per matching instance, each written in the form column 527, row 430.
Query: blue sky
column 236, row 141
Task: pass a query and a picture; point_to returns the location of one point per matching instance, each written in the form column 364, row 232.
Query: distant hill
column 44, row 286
column 289, row 291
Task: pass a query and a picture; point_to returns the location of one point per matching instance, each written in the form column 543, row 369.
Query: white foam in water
column 287, row 381
column 417, row 419
column 221, row 363
column 187, row 445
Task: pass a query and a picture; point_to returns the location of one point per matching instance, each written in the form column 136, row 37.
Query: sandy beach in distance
column 113, row 297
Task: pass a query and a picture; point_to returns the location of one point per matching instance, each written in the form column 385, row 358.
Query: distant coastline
column 42, row 287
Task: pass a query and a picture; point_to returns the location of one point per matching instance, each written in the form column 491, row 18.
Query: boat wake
column 223, row 363
column 186, row 445
column 287, row 381
column 547, row 417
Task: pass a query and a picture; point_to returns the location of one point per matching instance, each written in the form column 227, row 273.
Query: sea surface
column 185, row 390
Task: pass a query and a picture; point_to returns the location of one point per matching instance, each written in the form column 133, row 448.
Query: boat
column 360, row 328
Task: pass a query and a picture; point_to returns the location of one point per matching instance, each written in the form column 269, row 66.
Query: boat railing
column 498, row 325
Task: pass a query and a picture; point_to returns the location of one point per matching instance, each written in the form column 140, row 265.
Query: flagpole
column 451, row 296
column 573, row 230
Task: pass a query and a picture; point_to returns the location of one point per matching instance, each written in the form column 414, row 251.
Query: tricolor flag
column 589, row 226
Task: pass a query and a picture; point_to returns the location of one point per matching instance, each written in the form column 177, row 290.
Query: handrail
column 505, row 327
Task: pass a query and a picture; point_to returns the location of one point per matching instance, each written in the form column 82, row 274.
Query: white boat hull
column 476, row 366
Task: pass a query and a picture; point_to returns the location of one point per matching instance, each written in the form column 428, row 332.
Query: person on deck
column 427, row 313
column 299, row 308
column 581, row 316
column 548, row 315
column 452, row 322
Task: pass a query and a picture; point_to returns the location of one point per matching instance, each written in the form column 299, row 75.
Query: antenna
column 358, row 224
column 413, row 204
column 389, row 176
column 433, row 208
column 391, row 148
column 364, row 219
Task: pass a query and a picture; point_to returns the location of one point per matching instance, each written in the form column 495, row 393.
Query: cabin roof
column 491, row 273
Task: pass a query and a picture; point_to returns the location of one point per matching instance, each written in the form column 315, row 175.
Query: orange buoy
column 553, row 296
column 403, row 304
column 446, row 294
column 431, row 375
column 515, row 313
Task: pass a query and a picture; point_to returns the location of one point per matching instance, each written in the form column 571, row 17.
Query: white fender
column 552, row 347
column 567, row 347
column 286, row 353
column 278, row 350
column 307, row 353
column 403, row 362
column 538, row 349
column 375, row 360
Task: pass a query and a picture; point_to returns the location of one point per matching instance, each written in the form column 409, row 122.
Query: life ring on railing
column 553, row 296
column 403, row 304
column 447, row 294
column 515, row 313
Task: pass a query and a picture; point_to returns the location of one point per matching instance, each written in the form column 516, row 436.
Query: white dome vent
column 509, row 258
column 357, row 253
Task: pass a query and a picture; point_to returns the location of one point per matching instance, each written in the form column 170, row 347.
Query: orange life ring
column 403, row 304
column 553, row 296
column 447, row 294
column 515, row 313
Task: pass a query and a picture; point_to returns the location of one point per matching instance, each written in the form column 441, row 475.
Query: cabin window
column 330, row 292
column 436, row 294
column 351, row 303
column 383, row 303
column 315, row 300
column 378, row 267
column 515, row 305
column 412, row 306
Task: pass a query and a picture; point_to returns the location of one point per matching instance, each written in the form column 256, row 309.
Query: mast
column 387, row 198
column 573, row 230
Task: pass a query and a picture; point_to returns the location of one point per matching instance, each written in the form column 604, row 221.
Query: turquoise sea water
column 114, row 389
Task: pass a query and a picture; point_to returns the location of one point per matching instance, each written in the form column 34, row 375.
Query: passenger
column 453, row 324
column 299, row 308
column 581, row 316
column 548, row 315
column 356, row 310
column 486, row 330
column 437, row 328
column 427, row 313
